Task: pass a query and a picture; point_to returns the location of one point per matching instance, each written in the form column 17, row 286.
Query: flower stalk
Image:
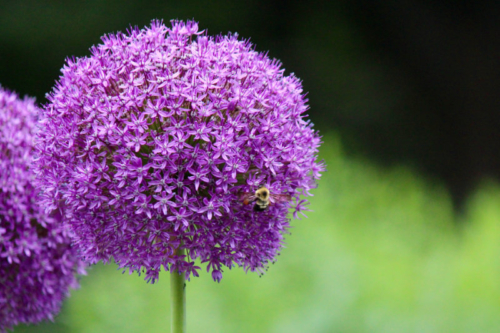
column 178, row 298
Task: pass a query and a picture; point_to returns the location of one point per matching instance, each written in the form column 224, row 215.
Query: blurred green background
column 381, row 252
column 404, row 236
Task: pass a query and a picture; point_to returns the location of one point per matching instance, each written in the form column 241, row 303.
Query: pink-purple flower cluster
column 37, row 263
column 151, row 141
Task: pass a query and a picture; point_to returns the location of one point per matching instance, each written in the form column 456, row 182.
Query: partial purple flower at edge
column 150, row 141
column 37, row 263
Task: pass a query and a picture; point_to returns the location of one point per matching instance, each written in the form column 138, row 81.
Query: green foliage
column 382, row 252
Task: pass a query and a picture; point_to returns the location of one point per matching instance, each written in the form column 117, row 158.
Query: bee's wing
column 247, row 197
column 278, row 198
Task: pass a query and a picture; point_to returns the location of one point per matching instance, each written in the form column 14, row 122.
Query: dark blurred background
column 412, row 82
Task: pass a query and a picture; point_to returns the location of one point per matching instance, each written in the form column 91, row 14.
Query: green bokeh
column 380, row 253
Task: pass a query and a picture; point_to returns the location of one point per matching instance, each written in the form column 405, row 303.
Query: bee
column 262, row 198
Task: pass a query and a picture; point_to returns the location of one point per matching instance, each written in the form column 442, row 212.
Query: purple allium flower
column 150, row 142
column 37, row 263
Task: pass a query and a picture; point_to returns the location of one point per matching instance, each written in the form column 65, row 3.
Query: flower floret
column 164, row 129
column 37, row 262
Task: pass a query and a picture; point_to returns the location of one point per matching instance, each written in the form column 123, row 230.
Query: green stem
column 178, row 299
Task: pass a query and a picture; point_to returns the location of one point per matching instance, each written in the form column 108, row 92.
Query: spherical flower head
column 153, row 141
column 37, row 263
